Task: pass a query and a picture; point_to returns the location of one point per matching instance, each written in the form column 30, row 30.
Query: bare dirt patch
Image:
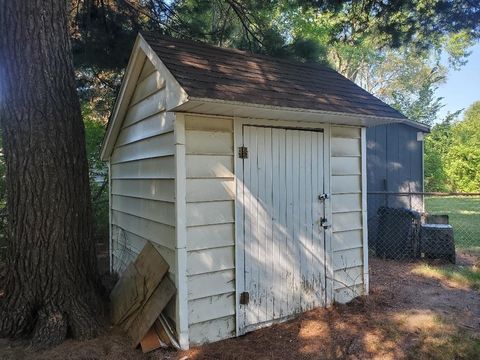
column 407, row 316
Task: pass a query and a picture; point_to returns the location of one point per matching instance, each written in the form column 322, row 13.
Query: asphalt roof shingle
column 206, row 71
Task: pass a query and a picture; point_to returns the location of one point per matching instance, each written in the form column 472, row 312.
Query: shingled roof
column 211, row 72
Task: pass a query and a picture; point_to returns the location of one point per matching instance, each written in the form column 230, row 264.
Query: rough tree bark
column 51, row 288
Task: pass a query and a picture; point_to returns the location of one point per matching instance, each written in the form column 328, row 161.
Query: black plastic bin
column 436, row 242
column 397, row 236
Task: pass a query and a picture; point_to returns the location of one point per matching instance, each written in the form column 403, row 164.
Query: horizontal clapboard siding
column 143, row 177
column 156, row 168
column 154, row 125
column 158, row 211
column 157, row 146
column 213, row 330
column 347, row 236
column 210, row 193
column 208, row 166
column 152, row 189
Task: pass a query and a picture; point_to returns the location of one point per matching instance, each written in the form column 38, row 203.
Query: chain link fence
column 416, row 225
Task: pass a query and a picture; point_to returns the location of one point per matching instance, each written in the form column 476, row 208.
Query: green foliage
column 463, row 160
column 98, row 172
column 452, row 154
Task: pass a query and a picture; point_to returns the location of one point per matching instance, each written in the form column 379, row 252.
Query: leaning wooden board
column 143, row 289
column 150, row 311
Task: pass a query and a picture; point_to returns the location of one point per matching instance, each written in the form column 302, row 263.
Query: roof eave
column 244, row 109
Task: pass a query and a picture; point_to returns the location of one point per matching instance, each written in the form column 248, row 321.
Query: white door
column 284, row 242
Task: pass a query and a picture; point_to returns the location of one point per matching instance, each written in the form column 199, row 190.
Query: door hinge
column 243, row 152
column 244, row 298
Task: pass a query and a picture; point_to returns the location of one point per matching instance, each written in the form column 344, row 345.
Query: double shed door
column 284, row 240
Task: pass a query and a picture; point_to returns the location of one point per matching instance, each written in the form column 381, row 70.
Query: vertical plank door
column 284, row 242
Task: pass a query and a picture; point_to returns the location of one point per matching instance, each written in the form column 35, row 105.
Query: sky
column 462, row 87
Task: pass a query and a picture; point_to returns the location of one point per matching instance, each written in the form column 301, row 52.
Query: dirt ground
column 408, row 315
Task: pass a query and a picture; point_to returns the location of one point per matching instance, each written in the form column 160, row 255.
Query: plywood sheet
column 138, row 284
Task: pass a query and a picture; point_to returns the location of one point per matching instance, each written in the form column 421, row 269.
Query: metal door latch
column 323, row 197
column 324, row 223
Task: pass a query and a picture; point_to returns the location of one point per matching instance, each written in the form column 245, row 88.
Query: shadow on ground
column 408, row 315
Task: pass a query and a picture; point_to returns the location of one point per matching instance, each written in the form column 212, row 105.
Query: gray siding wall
column 210, row 194
column 394, row 164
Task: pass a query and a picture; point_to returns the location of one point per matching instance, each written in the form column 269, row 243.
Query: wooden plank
column 347, row 258
column 346, row 202
column 261, row 299
column 209, row 284
column 195, row 122
column 210, row 308
column 283, row 236
column 135, row 288
column 302, row 231
column 345, row 132
column 308, row 283
column 207, row 213
column 209, row 142
column 156, row 168
column 345, row 147
column 347, row 239
column 345, row 166
column 213, row 330
column 207, row 166
column 145, row 108
column 295, row 262
column 210, row 236
column 270, row 286
column 209, row 260
column 152, row 189
column 159, row 211
column 157, row 146
column 346, row 184
column 127, row 295
column 150, row 311
column 290, row 247
column 199, row 190
column 276, row 279
column 347, row 221
column 151, row 126
column 146, row 87
column 151, row 341
column 158, row 233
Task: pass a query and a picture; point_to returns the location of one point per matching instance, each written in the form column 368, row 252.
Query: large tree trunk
column 51, row 287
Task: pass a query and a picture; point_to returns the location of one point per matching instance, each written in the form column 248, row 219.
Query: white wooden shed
column 248, row 175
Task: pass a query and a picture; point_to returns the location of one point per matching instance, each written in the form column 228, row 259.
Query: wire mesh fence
column 404, row 226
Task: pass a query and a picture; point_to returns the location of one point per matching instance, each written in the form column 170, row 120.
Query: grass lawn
column 460, row 275
column 464, row 214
